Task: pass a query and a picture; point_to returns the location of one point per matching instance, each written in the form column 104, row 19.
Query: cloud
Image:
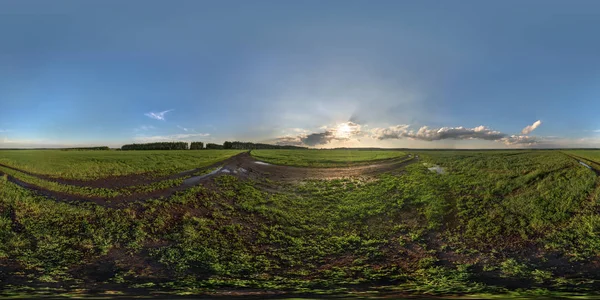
column 288, row 141
column 528, row 129
column 351, row 130
column 169, row 138
column 455, row 133
column 341, row 132
column 315, row 139
column 5, row 130
column 144, row 128
column 182, row 128
column 520, row 140
column 426, row 134
column 158, row 116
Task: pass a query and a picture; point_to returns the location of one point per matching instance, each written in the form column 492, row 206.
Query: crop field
column 507, row 223
column 324, row 158
column 90, row 165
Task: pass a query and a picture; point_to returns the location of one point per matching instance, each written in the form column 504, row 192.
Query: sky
column 408, row 74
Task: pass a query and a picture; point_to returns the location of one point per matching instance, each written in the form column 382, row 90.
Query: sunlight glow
column 343, row 131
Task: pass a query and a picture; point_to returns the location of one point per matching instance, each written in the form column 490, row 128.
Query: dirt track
column 242, row 165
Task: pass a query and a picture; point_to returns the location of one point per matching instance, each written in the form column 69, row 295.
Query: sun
column 343, row 131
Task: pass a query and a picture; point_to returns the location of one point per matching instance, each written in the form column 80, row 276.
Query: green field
column 323, row 158
column 509, row 223
column 592, row 155
column 90, row 165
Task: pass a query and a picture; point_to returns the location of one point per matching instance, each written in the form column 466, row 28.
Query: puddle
column 196, row 179
column 435, row 168
column 242, row 170
column 262, row 163
column 585, row 165
column 225, row 171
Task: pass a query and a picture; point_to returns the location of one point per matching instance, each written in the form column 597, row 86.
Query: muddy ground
column 242, row 165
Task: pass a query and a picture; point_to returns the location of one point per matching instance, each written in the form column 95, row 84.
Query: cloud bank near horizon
column 351, row 130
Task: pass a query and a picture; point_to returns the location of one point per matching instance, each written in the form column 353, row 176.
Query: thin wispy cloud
column 144, row 128
column 5, row 130
column 182, row 128
column 159, row 115
column 528, row 129
column 170, row 138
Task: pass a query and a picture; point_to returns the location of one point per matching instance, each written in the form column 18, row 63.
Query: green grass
column 502, row 223
column 90, row 165
column 592, row 155
column 324, row 158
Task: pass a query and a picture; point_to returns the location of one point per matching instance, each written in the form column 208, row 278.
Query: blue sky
column 464, row 74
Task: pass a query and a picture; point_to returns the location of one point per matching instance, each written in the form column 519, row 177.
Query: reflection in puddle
column 262, row 163
column 435, row 168
column 196, row 179
column 584, row 164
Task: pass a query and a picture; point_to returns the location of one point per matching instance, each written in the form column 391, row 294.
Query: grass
column 517, row 224
column 324, row 158
column 91, row 165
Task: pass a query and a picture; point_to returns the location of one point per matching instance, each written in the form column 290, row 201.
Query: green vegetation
column 250, row 146
column 515, row 223
column 90, row 165
column 157, row 146
column 90, row 192
column 196, row 146
column 86, row 148
column 324, row 158
column 213, row 146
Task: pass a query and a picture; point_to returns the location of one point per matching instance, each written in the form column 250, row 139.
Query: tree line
column 250, row 146
column 157, row 146
column 200, row 146
column 86, row 148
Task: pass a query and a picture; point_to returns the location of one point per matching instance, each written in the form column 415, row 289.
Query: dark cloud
column 315, row 139
column 288, row 141
column 342, row 132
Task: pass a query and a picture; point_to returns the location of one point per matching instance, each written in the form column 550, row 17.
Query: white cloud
column 144, row 128
column 528, row 129
column 434, row 134
column 169, row 138
column 182, row 128
column 159, row 115
column 520, row 140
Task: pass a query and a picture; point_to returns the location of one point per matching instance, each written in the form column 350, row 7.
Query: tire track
column 242, row 165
